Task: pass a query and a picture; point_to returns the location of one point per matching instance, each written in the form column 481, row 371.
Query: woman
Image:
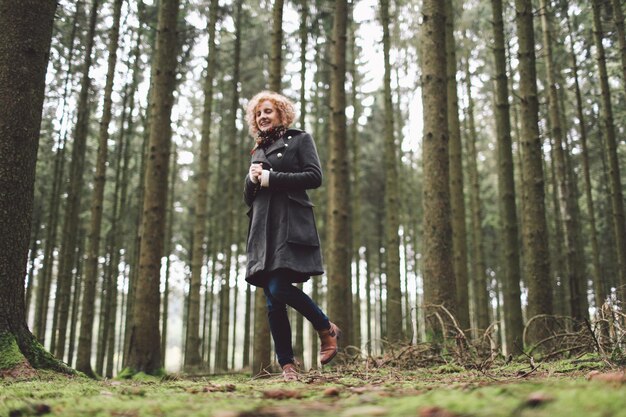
column 283, row 245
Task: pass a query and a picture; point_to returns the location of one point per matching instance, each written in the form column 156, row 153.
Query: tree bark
column 618, row 17
column 91, row 267
column 144, row 344
column 277, row 46
column 608, row 129
column 575, row 257
column 392, row 221
column 338, row 226
column 534, row 229
column 457, row 194
column 25, row 36
column 192, row 346
column 439, row 280
column 72, row 209
column 512, row 311
column 479, row 269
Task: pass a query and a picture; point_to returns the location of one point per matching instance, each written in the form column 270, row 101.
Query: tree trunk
column 608, row 129
column 276, row 46
column 25, row 35
column 192, row 346
column 512, row 311
column 534, row 228
column 457, row 194
column 356, row 186
column 618, row 17
column 479, row 270
column 392, row 221
column 91, row 268
column 439, row 280
column 44, row 281
column 72, row 208
column 144, row 345
column 571, row 227
column 338, row 227
column 599, row 282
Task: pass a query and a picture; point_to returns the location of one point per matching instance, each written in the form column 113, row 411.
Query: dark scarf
column 266, row 137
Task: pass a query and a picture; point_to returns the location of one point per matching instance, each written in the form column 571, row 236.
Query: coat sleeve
column 249, row 190
column 310, row 175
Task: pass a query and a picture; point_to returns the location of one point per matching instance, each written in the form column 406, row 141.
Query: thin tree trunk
column 91, row 267
column 144, row 343
column 571, row 227
column 608, row 128
column 169, row 232
column 618, row 17
column 78, row 277
column 338, row 228
column 72, row 207
column 534, row 228
column 600, row 287
column 392, row 222
column 276, row 46
column 457, row 195
column 192, row 346
column 512, row 311
column 43, row 286
column 479, row 270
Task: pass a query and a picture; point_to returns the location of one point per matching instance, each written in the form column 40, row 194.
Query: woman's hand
column 255, row 172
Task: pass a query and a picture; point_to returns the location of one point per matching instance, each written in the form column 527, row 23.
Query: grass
column 554, row 389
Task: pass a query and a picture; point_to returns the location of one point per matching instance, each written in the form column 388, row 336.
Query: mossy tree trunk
column 144, row 343
column 25, row 36
column 438, row 273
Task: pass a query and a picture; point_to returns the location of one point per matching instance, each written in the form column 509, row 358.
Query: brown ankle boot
column 329, row 343
column 290, row 373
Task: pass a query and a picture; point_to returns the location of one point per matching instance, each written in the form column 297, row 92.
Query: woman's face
column 266, row 115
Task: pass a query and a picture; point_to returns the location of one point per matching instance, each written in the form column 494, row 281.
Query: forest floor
column 585, row 386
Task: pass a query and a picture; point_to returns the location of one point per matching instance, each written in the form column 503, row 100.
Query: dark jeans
column 280, row 293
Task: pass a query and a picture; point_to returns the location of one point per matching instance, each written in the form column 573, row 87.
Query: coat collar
column 278, row 144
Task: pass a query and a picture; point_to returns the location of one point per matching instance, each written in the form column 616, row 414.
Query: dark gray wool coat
column 282, row 233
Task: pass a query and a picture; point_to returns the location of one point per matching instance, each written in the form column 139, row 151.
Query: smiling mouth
column 264, row 123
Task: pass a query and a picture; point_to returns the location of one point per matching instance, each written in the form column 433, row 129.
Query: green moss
column 129, row 373
column 389, row 391
column 10, row 354
column 448, row 368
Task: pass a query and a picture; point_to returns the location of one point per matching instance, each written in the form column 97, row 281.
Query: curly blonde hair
column 282, row 104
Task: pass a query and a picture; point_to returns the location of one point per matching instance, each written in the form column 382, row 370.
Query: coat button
column 271, row 169
column 286, row 144
column 288, row 137
column 280, row 155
